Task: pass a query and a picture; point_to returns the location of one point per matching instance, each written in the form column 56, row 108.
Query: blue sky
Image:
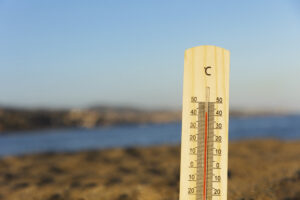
column 81, row 53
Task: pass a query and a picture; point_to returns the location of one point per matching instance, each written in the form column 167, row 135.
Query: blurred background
column 88, row 86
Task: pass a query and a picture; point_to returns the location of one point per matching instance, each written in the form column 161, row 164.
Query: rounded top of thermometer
column 205, row 47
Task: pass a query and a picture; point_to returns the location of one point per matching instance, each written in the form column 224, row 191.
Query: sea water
column 76, row 139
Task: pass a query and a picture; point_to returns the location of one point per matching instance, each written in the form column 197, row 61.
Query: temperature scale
column 204, row 147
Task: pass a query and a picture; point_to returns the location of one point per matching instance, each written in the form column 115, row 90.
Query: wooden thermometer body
column 204, row 144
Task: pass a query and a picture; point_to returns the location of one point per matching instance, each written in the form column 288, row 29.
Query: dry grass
column 258, row 169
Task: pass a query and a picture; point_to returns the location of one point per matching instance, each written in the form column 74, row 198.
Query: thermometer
column 204, row 143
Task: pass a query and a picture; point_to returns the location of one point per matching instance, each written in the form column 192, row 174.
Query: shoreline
column 22, row 120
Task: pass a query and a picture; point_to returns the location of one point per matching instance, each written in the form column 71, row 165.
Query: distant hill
column 20, row 119
column 29, row 119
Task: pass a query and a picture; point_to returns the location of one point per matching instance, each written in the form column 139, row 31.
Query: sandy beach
column 258, row 169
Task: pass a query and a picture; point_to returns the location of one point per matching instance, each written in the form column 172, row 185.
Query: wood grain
column 206, row 78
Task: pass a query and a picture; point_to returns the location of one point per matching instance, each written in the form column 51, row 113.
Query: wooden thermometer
column 204, row 144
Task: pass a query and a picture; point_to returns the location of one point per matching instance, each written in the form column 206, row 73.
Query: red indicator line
column 205, row 150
